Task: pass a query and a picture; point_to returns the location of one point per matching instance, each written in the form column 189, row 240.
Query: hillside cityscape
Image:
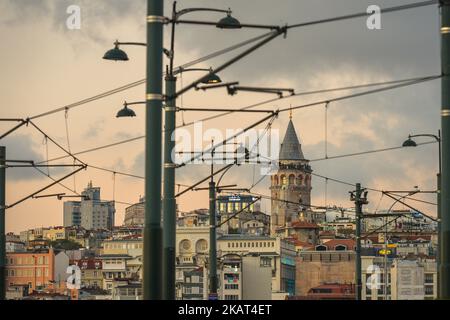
column 292, row 252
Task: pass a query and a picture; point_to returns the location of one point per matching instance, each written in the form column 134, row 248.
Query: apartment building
column 37, row 269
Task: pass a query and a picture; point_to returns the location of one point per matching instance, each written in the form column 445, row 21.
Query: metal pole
column 358, row 213
column 2, row 224
column 445, row 178
column 437, row 254
column 152, row 254
column 385, row 272
column 169, row 204
column 212, row 235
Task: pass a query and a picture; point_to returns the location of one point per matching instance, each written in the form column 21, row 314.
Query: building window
column 275, row 181
column 231, row 287
column 291, row 179
column 429, row 290
column 428, row 278
column 265, row 262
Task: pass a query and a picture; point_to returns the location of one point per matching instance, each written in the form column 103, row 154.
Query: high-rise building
column 90, row 212
column 291, row 185
column 134, row 214
column 72, row 213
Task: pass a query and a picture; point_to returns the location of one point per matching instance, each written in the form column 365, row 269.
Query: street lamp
column 116, row 54
column 212, row 78
column 229, row 22
column 125, row 112
column 411, row 143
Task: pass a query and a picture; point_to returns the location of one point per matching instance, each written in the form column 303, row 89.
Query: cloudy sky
column 45, row 66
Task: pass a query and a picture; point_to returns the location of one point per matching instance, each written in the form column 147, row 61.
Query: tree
column 65, row 244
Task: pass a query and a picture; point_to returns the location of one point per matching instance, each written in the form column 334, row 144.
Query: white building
column 91, row 212
column 274, row 250
column 406, row 279
column 15, row 246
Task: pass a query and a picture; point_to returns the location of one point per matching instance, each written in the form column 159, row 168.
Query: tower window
column 291, row 179
column 283, row 180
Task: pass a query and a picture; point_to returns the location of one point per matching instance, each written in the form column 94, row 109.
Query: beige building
column 131, row 247
column 56, row 233
column 122, row 258
column 315, row 268
column 192, row 245
column 256, row 278
column 406, row 279
column 91, row 272
column 301, row 230
column 134, row 214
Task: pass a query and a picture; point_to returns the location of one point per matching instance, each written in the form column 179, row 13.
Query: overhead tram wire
column 71, row 190
column 234, row 47
column 391, row 9
column 364, row 14
column 354, row 184
column 361, row 94
column 142, row 81
column 69, row 154
column 404, row 82
column 314, row 174
column 367, row 152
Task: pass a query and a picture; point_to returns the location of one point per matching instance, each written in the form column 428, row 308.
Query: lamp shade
column 229, row 23
column 116, row 55
column 125, row 113
column 409, row 143
column 212, row 78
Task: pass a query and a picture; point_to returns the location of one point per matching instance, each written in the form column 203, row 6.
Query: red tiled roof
column 331, row 244
column 89, row 264
column 299, row 243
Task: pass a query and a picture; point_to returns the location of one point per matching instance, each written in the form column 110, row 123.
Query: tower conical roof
column 291, row 148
